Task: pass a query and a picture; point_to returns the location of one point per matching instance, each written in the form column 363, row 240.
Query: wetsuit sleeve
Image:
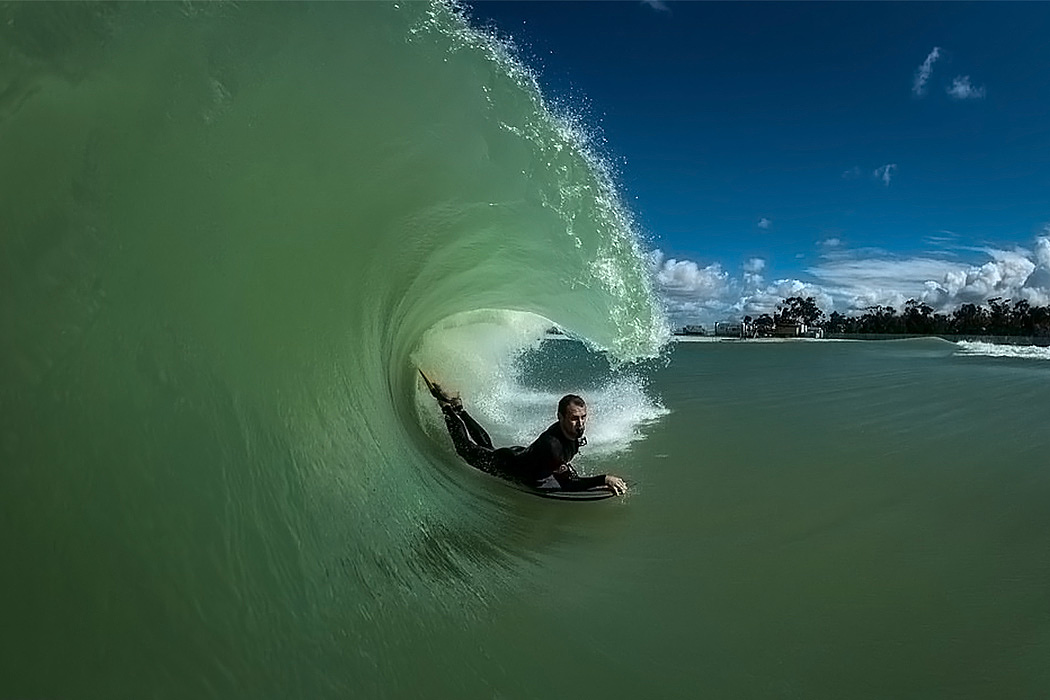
column 569, row 480
column 551, row 460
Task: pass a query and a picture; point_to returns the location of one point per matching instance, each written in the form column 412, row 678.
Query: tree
column 795, row 309
column 999, row 316
column 918, row 317
column 970, row 319
column 1021, row 318
column 836, row 323
column 1040, row 321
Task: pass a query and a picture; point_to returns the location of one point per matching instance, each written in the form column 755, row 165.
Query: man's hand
column 615, row 484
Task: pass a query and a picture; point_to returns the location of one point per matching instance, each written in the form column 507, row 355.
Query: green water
column 229, row 233
column 862, row 519
column 857, row 520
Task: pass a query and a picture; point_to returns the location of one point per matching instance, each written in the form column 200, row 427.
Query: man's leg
column 453, row 403
column 477, row 433
column 477, row 456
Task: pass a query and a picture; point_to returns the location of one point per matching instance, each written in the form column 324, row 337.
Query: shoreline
column 1036, row 341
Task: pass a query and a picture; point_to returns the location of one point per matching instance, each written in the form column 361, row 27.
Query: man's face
column 573, row 421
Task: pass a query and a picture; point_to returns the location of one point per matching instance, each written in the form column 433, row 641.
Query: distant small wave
column 1024, row 352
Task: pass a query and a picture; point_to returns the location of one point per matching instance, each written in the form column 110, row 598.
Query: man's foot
column 446, row 401
column 443, row 399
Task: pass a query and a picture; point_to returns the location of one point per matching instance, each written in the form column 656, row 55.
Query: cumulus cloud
column 703, row 294
column 1042, row 250
column 862, row 281
column 685, row 276
column 831, row 243
column 922, row 75
column 753, row 273
column 848, row 281
column 1003, row 275
column 961, row 89
column 692, row 292
column 765, row 300
column 885, row 173
column 764, row 222
column 1037, row 286
column 755, row 265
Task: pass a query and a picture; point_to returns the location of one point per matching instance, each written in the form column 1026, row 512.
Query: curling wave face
column 230, row 233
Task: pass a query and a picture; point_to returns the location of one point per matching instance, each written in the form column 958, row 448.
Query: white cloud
column 831, row 243
column 753, row 273
column 863, row 281
column 1042, row 249
column 692, row 292
column 941, row 239
column 961, row 89
column 685, row 276
column 1005, row 275
column 764, row 222
column 658, row 5
column 922, row 75
column 885, row 173
column 847, row 281
column 755, row 265
column 1037, row 287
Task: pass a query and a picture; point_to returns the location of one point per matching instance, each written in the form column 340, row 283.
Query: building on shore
column 732, row 329
column 796, row 329
column 765, row 327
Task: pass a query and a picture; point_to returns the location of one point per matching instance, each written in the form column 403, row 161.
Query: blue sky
column 862, row 153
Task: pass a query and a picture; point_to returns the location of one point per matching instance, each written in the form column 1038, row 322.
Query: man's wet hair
column 570, row 400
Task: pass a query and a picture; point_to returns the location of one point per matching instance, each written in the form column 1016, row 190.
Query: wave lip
column 227, row 236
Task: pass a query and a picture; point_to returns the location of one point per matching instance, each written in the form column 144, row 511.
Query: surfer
column 545, row 464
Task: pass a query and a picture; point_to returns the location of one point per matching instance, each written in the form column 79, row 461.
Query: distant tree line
column 999, row 317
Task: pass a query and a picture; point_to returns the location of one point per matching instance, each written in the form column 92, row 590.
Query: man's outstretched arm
column 570, row 480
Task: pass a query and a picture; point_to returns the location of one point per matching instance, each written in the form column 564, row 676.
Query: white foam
column 476, row 353
column 473, row 353
column 617, row 412
column 1026, row 352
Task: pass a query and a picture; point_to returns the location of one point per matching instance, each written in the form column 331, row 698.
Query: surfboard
column 591, row 494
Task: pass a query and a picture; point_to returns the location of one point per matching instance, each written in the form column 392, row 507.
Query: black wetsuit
column 546, row 458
